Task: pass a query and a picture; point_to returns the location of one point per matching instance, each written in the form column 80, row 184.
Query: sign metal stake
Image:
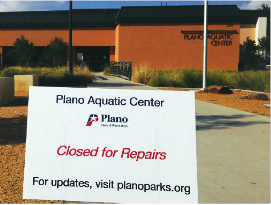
column 205, row 44
column 70, row 38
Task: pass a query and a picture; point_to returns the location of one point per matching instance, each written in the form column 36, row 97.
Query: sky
column 6, row 6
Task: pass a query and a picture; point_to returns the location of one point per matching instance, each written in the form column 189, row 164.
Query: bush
column 55, row 54
column 254, row 57
column 22, row 53
column 59, row 77
column 107, row 71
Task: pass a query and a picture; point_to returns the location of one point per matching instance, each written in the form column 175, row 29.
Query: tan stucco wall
column 247, row 30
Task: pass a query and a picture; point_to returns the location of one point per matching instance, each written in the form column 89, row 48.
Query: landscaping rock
column 256, row 96
column 259, row 96
column 241, row 97
column 218, row 90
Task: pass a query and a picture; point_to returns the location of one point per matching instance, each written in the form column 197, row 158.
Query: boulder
column 241, row 97
column 257, row 96
column 218, row 90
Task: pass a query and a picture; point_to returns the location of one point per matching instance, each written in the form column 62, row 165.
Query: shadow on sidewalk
column 115, row 85
column 207, row 122
column 18, row 101
column 98, row 77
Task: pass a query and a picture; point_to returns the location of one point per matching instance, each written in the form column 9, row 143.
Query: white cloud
column 6, row 6
column 60, row 2
column 13, row 6
column 253, row 5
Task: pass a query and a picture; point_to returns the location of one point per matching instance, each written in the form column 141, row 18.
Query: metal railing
column 121, row 69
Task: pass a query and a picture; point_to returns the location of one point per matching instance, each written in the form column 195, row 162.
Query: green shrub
column 22, row 53
column 55, row 54
column 107, row 71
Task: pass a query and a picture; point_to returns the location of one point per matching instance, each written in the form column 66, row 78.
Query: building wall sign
column 217, row 37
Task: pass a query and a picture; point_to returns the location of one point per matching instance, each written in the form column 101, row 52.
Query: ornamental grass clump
column 217, row 78
column 160, row 79
column 142, row 74
column 59, row 76
column 189, row 78
column 253, row 80
column 107, row 71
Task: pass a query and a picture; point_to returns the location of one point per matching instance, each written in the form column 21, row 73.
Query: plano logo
column 109, row 118
column 92, row 118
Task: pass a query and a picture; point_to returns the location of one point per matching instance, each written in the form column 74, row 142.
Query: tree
column 254, row 56
column 264, row 7
column 22, row 53
column 264, row 48
column 250, row 47
column 55, row 54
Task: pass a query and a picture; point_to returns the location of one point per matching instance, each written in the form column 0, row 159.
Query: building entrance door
column 96, row 58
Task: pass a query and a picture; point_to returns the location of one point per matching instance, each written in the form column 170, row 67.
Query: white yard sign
column 122, row 146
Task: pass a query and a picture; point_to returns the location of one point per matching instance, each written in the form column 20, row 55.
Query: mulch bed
column 13, row 121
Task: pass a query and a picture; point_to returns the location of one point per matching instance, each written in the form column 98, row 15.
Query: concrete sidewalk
column 111, row 82
column 233, row 154
column 233, row 150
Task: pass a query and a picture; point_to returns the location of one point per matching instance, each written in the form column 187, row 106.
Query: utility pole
column 70, row 38
column 204, row 84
